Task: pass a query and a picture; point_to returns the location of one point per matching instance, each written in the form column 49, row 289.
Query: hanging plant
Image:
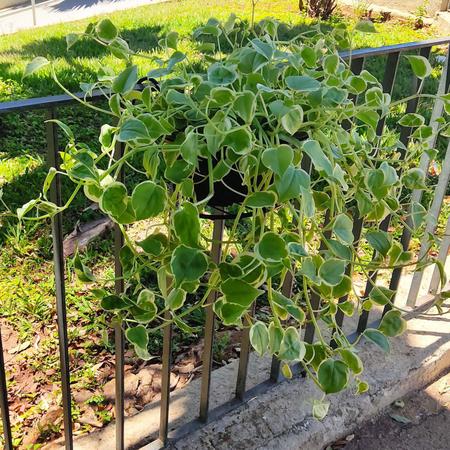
column 269, row 129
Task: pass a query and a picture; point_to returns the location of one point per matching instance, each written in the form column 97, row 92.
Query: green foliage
column 261, row 112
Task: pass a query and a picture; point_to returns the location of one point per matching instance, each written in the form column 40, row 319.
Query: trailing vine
column 284, row 135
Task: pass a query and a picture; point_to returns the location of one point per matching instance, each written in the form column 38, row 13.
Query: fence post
column 216, row 253
column 4, row 401
column 119, row 341
column 58, row 258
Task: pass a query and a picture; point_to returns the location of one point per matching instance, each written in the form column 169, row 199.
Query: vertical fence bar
column 4, row 401
column 243, row 360
column 357, row 229
column 119, row 340
column 286, row 289
column 416, row 195
column 216, row 252
column 364, row 317
column 356, row 66
column 411, row 107
column 404, row 137
column 390, row 73
column 165, row 380
column 442, row 257
column 315, row 298
column 58, row 258
column 431, row 224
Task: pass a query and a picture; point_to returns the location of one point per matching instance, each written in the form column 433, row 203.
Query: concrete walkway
column 57, row 11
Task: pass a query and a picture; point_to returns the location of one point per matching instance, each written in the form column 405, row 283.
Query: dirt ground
column 420, row 421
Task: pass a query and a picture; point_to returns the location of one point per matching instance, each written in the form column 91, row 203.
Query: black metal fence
column 357, row 59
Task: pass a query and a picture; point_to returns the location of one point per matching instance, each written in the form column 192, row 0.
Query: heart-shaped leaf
column 352, row 360
column 377, row 338
column 187, row 224
column 288, row 185
column 380, row 241
column 176, row 299
column 319, row 159
column 272, row 247
column 278, row 159
column 139, row 338
column 291, row 347
column 392, row 324
column 259, row 337
column 333, row 376
column 342, row 228
column 106, row 30
column 302, row 83
column 293, row 119
column 332, row 271
column 131, row 130
column 188, row 264
column 148, row 200
column 35, row 65
column 154, row 244
column 114, row 302
column 125, row 81
column 261, row 199
column 114, row 199
column 239, row 292
column 419, row 65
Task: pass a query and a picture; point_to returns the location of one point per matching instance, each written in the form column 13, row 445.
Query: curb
column 281, row 418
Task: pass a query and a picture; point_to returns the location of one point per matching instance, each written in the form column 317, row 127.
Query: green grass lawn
column 142, row 28
column 26, row 287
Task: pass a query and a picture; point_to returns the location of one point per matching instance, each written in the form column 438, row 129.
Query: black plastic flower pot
column 227, row 192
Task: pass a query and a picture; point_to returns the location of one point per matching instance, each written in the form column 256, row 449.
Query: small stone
column 146, row 376
column 131, row 384
column 89, row 418
column 156, row 385
column 350, row 437
column 187, row 368
column 31, row 437
column 155, row 366
column 146, row 397
column 82, row 396
column 109, row 389
column 51, row 416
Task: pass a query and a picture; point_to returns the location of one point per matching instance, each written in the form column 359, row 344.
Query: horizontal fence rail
column 357, row 60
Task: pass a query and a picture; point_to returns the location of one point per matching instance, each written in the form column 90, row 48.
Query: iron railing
column 51, row 104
